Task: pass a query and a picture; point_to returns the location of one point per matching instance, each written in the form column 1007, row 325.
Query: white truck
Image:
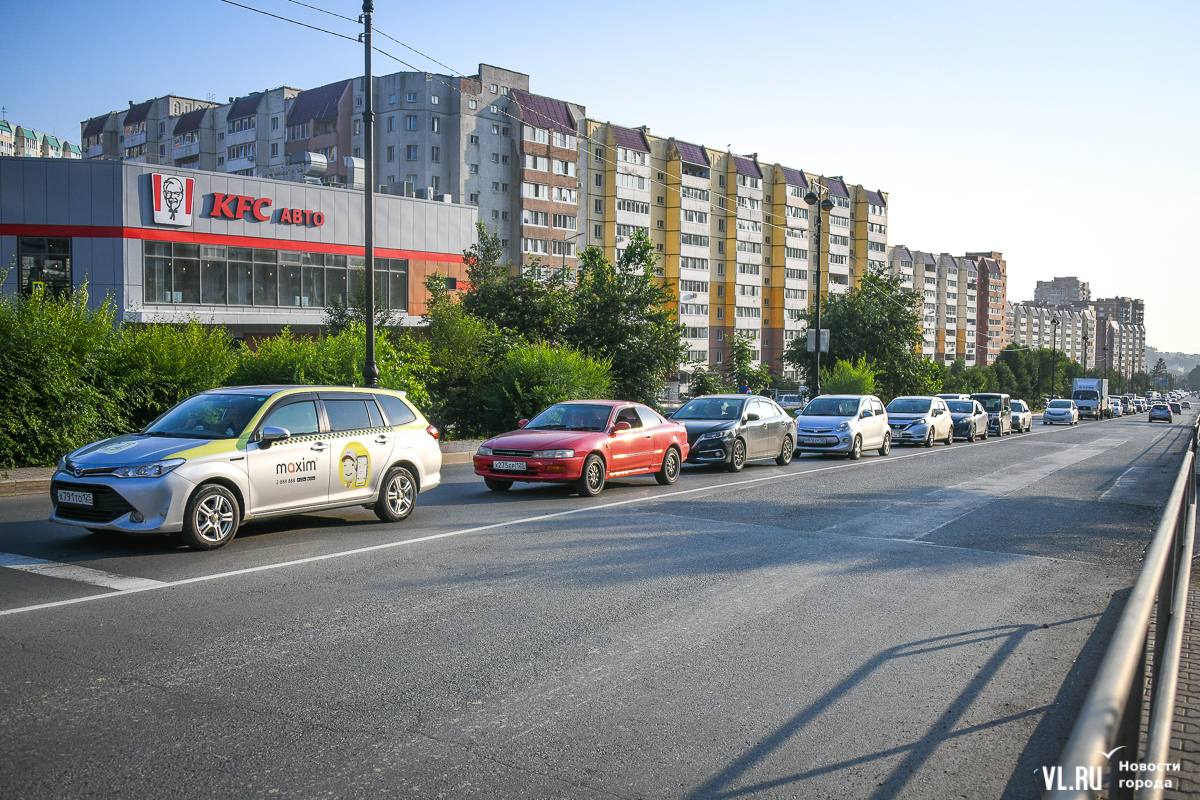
column 1091, row 397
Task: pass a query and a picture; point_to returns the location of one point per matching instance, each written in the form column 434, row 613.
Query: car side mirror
column 270, row 434
column 937, row 412
column 521, row 423
column 751, row 417
column 866, row 413
column 620, row 426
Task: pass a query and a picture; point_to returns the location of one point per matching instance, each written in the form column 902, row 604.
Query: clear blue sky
column 1062, row 134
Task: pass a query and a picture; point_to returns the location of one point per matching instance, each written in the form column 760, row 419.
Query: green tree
column 536, row 376
column 621, row 317
column 704, row 382
column 739, row 367
column 879, row 321
column 849, row 378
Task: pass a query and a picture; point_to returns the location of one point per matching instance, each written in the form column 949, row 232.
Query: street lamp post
column 1053, row 356
column 370, row 369
column 564, row 250
column 826, row 205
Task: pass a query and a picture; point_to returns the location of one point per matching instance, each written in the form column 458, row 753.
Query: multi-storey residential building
column 320, row 121
column 28, row 142
column 142, row 133
column 992, row 337
column 251, row 132
column 1071, row 331
column 868, row 216
column 946, row 338
column 18, row 140
column 1122, row 348
column 1126, row 310
column 900, row 262
column 1062, row 292
column 786, row 271
column 968, row 308
column 836, row 267
column 8, row 146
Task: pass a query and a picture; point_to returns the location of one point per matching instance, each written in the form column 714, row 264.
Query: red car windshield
column 571, row 417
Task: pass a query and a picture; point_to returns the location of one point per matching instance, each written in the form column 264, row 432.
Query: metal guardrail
column 1111, row 717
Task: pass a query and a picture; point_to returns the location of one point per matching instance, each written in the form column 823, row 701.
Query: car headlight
column 726, row 434
column 553, row 453
column 62, row 464
column 845, row 426
column 155, row 470
column 483, row 451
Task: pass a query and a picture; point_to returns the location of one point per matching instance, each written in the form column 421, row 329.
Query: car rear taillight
column 432, row 431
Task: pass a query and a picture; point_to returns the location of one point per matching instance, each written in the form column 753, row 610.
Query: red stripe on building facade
column 186, row 237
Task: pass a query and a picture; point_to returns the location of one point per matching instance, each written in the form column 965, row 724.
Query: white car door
column 292, row 473
column 361, row 446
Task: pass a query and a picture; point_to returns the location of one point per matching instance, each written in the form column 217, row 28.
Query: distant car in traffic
column 730, row 429
column 1185, row 404
column 1160, row 411
column 846, row 424
column 585, row 442
column 1022, row 416
column 999, row 408
column 970, row 420
column 1175, row 407
column 952, row 396
column 1061, row 411
column 920, row 420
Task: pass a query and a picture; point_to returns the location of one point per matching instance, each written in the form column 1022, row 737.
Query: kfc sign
column 172, row 199
column 236, row 206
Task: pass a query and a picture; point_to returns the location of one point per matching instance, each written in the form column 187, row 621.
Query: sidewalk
column 35, row 480
column 1185, row 744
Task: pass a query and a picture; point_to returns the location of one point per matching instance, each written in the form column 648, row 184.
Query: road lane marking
column 74, row 572
column 924, row 453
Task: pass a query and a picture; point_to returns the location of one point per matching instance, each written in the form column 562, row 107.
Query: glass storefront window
column 45, row 265
column 240, row 276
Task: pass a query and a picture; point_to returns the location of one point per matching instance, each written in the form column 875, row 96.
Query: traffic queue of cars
column 228, row 456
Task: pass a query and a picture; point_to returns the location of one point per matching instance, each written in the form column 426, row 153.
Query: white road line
column 74, row 572
column 540, row 518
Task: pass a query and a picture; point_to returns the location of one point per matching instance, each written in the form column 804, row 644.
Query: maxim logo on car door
column 172, row 199
column 297, row 467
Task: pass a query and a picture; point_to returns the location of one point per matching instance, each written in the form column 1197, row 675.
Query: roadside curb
column 456, row 458
column 12, row 488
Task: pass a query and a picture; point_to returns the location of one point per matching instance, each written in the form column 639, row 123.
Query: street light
column 826, row 206
column 564, row 252
column 1053, row 356
column 370, row 368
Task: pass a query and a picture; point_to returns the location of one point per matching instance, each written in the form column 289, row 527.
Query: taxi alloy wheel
column 670, row 468
column 398, row 495
column 591, row 479
column 211, row 520
column 738, row 460
column 786, row 452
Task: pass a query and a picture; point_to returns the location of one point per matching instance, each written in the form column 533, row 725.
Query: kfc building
column 253, row 254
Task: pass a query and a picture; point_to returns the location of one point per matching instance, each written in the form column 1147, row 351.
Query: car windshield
column 571, row 417
column 908, row 405
column 1018, row 406
column 832, row 407
column 990, row 404
column 957, row 406
column 208, row 416
column 1084, row 394
column 711, row 408
column 1059, row 404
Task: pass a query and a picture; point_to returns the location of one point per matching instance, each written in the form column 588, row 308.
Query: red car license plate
column 513, row 465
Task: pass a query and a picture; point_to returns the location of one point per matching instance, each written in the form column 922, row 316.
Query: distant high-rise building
column 991, row 333
column 1062, row 292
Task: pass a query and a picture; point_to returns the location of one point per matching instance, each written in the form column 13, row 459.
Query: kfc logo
column 172, row 200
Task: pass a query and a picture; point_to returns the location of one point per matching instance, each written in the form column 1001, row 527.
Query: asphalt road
column 922, row 625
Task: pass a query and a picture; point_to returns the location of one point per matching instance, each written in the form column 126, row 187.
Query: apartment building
column 836, row 268
column 900, row 262
column 1062, row 292
column 787, row 277
column 968, row 310
column 991, row 333
column 1121, row 345
column 145, row 132
column 868, row 218
column 1071, row 331
column 946, row 338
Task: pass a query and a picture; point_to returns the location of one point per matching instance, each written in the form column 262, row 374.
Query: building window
column 474, row 198
column 504, row 131
column 357, row 152
column 435, row 124
column 496, row 130
column 358, row 125
column 474, row 139
column 472, row 104
column 495, row 89
column 391, row 124
column 391, row 99
column 599, row 179
column 391, row 153
column 435, row 154
column 538, row 218
column 410, row 123
column 474, row 169
column 598, row 232
column 495, row 214
column 535, row 246
column 411, row 97
column 565, row 222
column 599, row 206
column 45, row 265
column 410, row 152
column 274, row 148
column 434, row 99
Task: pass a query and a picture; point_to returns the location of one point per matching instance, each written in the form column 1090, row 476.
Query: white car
column 920, row 420
column 227, row 456
column 846, row 424
column 1061, row 411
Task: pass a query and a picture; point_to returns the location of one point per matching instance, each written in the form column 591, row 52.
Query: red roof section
column 630, row 138
column 544, row 112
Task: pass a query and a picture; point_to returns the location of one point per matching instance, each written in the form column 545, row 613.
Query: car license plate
column 813, row 440
column 75, row 498
column 508, row 465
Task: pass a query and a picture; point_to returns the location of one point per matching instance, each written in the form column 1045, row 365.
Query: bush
column 534, row 377
column 849, row 378
column 58, row 391
column 337, row 361
column 703, row 382
column 161, row 365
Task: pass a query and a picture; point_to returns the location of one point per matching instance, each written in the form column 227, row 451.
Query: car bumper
column 118, row 502
column 842, row 442
column 710, row 451
column 536, row 469
column 913, row 433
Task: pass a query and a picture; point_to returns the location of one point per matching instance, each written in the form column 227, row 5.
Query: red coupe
column 585, row 442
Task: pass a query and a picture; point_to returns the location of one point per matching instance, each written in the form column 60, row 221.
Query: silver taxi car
column 226, row 456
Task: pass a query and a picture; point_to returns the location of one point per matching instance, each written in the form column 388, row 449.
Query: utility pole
column 370, row 368
column 811, row 198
